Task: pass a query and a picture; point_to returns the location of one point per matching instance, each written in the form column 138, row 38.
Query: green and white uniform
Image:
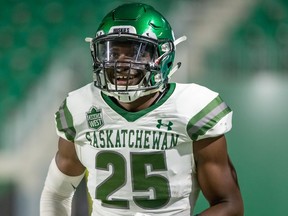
column 141, row 163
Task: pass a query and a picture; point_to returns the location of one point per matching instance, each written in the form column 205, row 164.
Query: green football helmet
column 133, row 52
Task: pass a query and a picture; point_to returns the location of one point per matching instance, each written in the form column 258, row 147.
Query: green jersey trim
column 64, row 122
column 133, row 116
column 207, row 118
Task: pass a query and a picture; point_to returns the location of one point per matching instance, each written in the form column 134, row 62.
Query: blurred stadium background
column 238, row 48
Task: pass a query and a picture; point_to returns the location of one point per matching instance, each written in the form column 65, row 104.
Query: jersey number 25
column 142, row 179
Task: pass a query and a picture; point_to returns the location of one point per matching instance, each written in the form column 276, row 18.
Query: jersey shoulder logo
column 94, row 118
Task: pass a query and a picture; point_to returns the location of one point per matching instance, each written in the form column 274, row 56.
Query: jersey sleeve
column 64, row 122
column 213, row 120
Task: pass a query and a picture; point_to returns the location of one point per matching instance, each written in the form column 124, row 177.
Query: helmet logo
column 99, row 33
column 150, row 34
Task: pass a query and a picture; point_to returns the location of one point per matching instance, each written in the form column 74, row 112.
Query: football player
column 148, row 145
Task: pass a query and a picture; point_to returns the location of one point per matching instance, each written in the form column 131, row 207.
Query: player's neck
column 141, row 103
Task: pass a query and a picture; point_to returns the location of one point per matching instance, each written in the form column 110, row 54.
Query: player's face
column 129, row 59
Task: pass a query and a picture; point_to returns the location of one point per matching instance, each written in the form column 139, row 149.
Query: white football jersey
column 141, row 163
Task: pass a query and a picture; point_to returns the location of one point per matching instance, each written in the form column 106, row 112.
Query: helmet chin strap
column 176, row 42
column 180, row 40
column 88, row 39
column 178, row 65
column 174, row 69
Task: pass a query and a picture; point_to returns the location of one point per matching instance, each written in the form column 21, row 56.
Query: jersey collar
column 133, row 116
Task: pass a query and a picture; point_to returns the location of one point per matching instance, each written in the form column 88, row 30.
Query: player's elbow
column 236, row 207
column 229, row 206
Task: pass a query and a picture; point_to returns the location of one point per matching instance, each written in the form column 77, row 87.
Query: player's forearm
column 52, row 204
column 56, row 197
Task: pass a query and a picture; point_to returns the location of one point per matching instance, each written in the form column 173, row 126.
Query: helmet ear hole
column 169, row 64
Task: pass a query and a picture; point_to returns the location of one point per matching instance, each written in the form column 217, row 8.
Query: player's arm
column 67, row 159
column 217, row 178
column 64, row 175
